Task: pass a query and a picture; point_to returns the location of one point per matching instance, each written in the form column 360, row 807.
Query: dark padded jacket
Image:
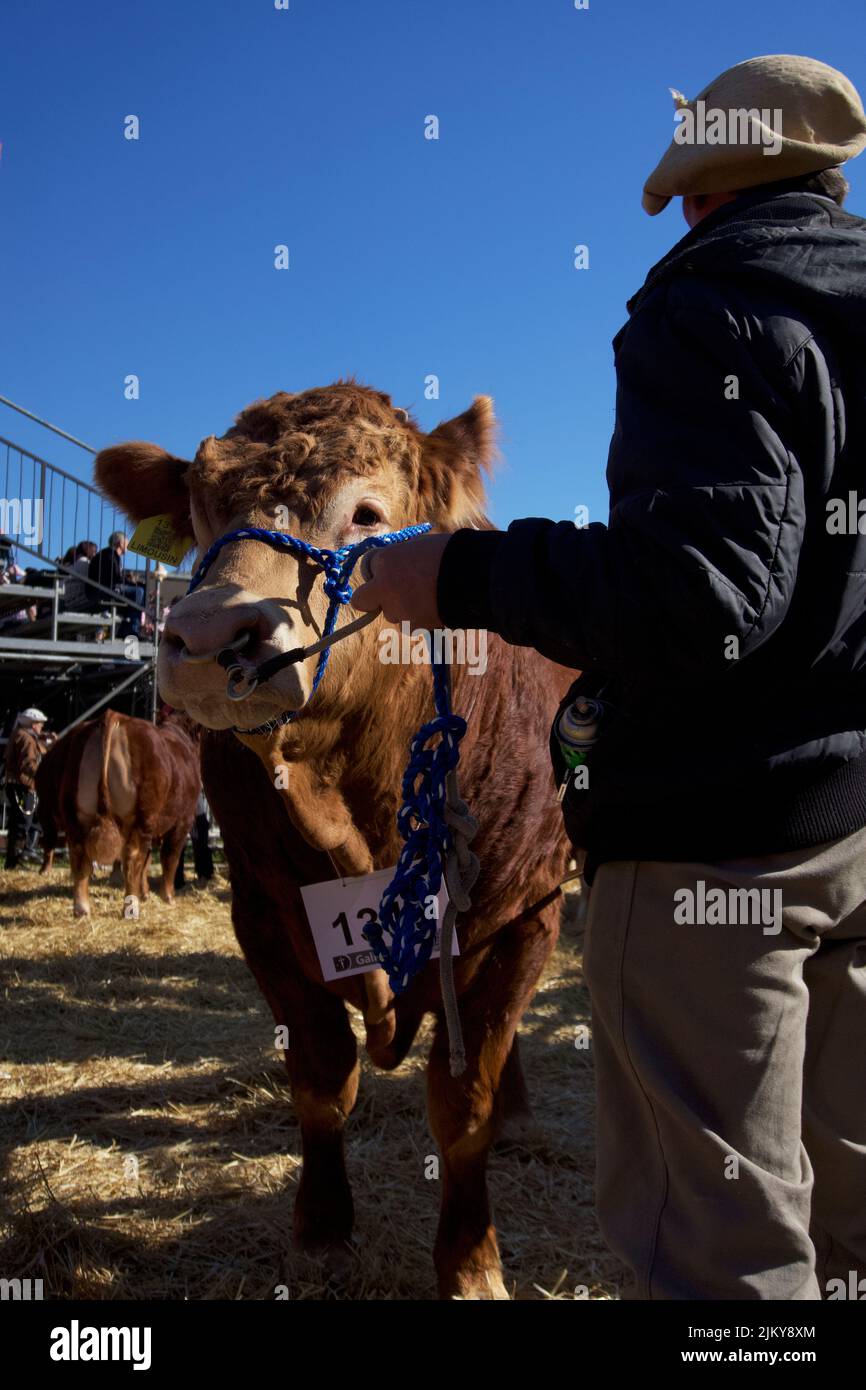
column 721, row 612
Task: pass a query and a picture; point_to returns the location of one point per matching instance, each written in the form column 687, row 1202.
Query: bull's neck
column 356, row 739
column 346, row 761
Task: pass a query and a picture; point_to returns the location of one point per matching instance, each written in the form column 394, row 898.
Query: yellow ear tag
column 157, row 538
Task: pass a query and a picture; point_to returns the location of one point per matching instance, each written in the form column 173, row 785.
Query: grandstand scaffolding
column 70, row 661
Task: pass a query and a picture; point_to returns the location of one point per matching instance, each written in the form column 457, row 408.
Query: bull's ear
column 455, row 457
column 143, row 480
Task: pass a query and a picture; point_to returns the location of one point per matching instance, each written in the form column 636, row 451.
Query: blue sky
column 407, row 256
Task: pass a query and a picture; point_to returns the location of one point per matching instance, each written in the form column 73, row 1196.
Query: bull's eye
column 366, row 516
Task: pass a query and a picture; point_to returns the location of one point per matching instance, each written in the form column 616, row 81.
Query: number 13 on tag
column 339, row 910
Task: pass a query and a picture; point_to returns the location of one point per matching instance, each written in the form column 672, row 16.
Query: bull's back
column 119, row 799
column 133, row 775
column 157, row 770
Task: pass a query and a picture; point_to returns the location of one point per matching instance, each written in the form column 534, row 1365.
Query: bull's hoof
column 131, row 907
column 379, row 1039
column 517, row 1130
column 334, row 1256
column 320, row 1238
column 323, row 1221
column 477, row 1285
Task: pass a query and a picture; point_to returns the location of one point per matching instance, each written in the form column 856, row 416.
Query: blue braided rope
column 403, row 910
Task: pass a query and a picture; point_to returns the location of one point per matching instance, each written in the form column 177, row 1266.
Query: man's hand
column 403, row 581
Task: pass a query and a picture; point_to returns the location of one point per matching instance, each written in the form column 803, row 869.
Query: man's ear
column 454, row 458
column 143, row 480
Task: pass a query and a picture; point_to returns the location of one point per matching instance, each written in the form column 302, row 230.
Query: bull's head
column 331, row 465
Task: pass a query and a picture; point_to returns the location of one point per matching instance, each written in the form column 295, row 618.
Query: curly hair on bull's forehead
column 344, row 401
column 300, row 446
column 298, row 449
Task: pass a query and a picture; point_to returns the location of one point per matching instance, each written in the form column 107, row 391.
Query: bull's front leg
column 322, row 1062
column 324, row 1099
column 321, row 815
column 465, row 1111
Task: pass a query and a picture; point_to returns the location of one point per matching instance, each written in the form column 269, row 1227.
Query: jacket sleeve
column 22, row 758
column 706, row 520
column 30, row 760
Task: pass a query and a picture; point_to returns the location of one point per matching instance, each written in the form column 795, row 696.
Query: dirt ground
column 148, row 1144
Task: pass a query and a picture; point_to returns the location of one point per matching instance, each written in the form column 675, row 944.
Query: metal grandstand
column 68, row 659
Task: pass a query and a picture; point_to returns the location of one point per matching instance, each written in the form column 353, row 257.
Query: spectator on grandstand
column 12, row 573
column 75, row 590
column 106, row 569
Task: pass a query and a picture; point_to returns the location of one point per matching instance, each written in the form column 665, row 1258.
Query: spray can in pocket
column 576, row 732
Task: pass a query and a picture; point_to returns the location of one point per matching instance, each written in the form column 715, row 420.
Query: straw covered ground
column 147, row 1139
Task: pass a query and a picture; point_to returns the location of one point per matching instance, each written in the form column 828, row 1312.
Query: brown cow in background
column 116, row 785
column 341, row 464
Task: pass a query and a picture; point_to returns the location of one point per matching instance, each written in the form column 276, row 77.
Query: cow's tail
column 104, row 843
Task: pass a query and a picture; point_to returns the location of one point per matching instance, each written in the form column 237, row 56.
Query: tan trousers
column 731, row 1072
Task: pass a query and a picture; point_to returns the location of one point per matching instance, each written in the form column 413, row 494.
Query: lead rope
column 462, row 868
column 436, row 828
column 434, row 821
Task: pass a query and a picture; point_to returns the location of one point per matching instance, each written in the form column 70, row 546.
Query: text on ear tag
column 157, row 538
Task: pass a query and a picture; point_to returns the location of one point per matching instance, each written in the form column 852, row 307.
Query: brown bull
column 318, row 797
column 115, row 786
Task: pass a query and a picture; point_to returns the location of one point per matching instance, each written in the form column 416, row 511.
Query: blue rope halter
column 337, row 566
column 403, row 911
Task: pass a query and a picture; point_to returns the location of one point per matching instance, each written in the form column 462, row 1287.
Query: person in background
column 26, row 748
column 201, row 850
column 719, row 619
column 106, row 568
column 12, row 573
column 75, row 589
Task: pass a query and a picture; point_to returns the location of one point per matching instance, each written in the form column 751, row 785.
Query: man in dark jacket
column 106, row 569
column 720, row 617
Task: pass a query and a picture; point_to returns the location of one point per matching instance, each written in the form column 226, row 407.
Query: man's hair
column 115, row 538
column 829, row 183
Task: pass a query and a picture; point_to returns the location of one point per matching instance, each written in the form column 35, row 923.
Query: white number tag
column 339, row 910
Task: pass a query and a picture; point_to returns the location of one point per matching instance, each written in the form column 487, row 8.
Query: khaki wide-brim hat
column 808, row 113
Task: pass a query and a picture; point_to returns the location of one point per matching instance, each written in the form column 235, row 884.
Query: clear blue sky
column 408, row 256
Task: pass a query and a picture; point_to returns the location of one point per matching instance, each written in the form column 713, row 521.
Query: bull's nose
column 193, row 631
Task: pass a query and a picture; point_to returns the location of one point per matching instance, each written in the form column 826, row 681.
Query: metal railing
column 70, row 510
column 46, row 513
